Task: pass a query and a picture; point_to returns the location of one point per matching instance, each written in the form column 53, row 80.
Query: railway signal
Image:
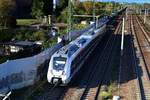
column 94, row 19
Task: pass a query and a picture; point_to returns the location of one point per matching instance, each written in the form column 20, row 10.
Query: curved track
column 104, row 60
column 98, row 64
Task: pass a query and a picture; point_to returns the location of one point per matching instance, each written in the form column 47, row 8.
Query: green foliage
column 3, row 59
column 6, row 35
column 112, row 87
column 62, row 5
column 105, row 95
column 39, row 35
column 27, row 21
column 6, row 6
column 37, row 8
column 86, row 8
column 23, row 34
column 8, row 21
column 79, row 26
column 63, row 17
column 50, row 42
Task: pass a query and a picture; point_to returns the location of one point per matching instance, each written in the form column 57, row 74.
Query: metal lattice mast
column 94, row 19
column 69, row 19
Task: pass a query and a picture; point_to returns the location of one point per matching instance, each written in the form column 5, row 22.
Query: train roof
column 67, row 51
column 72, row 47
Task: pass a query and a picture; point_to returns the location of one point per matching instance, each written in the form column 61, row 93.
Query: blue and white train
column 67, row 61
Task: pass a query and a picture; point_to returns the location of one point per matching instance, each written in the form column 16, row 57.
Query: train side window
column 74, row 64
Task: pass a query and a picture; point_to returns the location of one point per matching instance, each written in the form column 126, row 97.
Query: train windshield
column 59, row 63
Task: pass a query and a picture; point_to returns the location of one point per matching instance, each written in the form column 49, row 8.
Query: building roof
column 20, row 43
column 24, row 43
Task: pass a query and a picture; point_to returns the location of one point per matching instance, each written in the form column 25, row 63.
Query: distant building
column 84, row 22
column 24, row 47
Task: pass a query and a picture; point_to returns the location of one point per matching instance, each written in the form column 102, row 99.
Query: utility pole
column 121, row 54
column 52, row 17
column 122, row 38
column 145, row 17
column 94, row 19
column 147, row 12
column 69, row 19
column 140, row 12
column 126, row 14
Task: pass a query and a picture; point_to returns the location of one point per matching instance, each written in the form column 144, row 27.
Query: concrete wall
column 15, row 74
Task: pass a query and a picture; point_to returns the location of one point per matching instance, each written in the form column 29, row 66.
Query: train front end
column 58, row 71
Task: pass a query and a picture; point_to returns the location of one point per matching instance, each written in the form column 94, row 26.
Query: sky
column 130, row 1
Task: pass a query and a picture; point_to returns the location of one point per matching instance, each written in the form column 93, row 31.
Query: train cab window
column 59, row 63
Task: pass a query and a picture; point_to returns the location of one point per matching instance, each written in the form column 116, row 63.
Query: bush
column 49, row 43
column 23, row 34
column 8, row 21
column 79, row 26
column 39, row 35
column 105, row 95
column 6, row 35
column 27, row 21
column 112, row 87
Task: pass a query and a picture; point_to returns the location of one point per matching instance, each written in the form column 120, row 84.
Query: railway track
column 75, row 93
column 51, row 92
column 142, row 45
column 89, row 85
column 57, row 93
column 91, row 93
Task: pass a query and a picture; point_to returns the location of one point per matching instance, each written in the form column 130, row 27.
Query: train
column 67, row 61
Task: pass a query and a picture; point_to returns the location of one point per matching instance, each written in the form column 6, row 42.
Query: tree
column 6, row 6
column 61, row 6
column 88, row 6
column 48, row 7
column 146, row 5
column 37, row 8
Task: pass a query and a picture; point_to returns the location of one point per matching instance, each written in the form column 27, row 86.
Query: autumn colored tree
column 6, row 6
column 88, row 6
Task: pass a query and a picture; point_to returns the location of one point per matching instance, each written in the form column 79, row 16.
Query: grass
column 108, row 93
column 27, row 21
column 105, row 95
